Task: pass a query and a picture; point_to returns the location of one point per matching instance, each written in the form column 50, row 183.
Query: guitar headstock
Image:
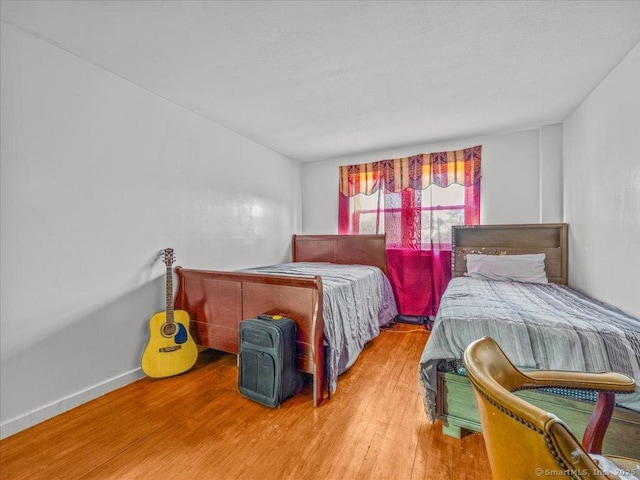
column 168, row 257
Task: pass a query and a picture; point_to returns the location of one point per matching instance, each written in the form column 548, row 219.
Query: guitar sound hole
column 169, row 329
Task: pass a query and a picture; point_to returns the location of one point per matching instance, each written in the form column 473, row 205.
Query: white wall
column 602, row 165
column 98, row 176
column 512, row 179
column 551, row 174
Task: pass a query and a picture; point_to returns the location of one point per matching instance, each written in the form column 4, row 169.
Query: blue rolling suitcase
column 267, row 361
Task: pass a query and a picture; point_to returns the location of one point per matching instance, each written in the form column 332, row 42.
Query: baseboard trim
column 22, row 422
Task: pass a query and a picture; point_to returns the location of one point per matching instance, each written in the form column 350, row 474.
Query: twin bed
column 539, row 326
column 335, row 289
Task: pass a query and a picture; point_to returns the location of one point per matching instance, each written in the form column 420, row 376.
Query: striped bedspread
column 357, row 300
column 540, row 326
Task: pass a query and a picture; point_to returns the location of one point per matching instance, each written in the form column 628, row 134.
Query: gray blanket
column 539, row 326
column 357, row 300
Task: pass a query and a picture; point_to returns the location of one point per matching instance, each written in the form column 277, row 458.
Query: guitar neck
column 169, row 288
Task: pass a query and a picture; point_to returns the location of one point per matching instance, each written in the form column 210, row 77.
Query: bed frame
column 218, row 301
column 455, row 404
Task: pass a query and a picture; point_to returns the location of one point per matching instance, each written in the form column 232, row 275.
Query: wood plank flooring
column 197, row 425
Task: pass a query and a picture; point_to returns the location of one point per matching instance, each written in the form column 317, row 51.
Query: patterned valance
column 416, row 172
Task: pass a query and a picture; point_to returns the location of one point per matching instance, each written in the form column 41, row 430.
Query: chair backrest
column 522, row 440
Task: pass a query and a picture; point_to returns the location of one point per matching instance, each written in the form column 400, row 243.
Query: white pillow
column 510, row 268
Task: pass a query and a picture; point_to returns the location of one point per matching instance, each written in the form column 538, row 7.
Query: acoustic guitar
column 170, row 349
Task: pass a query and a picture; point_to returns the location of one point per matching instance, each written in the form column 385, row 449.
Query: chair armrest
column 601, row 382
column 607, row 384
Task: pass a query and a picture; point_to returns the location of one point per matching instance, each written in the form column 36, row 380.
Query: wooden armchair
column 525, row 442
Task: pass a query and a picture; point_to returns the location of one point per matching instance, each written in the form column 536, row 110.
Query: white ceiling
column 316, row 80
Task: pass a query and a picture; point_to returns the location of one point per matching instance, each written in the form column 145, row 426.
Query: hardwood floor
column 197, row 425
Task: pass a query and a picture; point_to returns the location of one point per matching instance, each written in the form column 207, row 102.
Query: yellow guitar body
column 170, row 349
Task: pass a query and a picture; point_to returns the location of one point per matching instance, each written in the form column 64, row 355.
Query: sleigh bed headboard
column 548, row 238
column 344, row 249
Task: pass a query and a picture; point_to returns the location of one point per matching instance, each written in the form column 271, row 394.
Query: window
column 414, row 201
column 446, row 207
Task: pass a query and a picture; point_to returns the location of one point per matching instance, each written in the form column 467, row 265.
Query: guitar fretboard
column 168, row 261
column 169, row 287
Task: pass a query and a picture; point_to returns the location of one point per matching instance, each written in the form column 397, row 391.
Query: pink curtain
column 418, row 255
column 418, row 278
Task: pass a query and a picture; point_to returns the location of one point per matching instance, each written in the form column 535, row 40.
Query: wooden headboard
column 345, row 249
column 548, row 238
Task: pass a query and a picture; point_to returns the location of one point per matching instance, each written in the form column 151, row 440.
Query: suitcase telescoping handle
column 265, row 316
